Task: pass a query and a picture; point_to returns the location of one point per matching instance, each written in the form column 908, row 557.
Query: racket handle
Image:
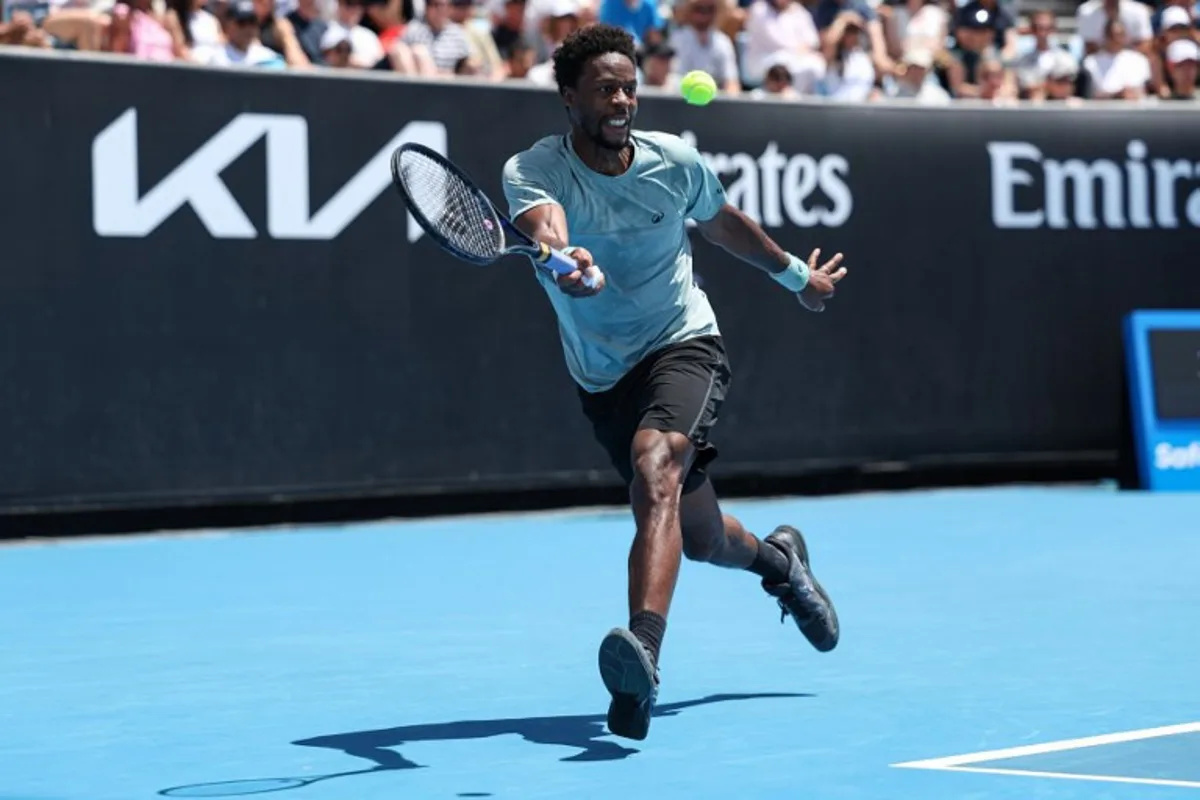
column 565, row 265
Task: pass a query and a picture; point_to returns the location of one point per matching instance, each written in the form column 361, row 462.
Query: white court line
column 1072, row 776
column 1051, row 747
column 959, row 763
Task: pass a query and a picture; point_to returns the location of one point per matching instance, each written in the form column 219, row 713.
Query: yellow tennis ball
column 698, row 87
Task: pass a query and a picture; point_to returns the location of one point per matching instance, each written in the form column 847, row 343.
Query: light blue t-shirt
column 633, row 224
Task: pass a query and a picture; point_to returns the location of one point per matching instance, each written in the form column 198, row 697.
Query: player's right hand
column 821, row 281
column 573, row 284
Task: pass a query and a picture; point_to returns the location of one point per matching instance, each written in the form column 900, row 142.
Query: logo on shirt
column 120, row 210
column 657, row 218
column 1032, row 191
column 775, row 189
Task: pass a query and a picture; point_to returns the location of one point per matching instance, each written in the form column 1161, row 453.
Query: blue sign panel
column 1163, row 361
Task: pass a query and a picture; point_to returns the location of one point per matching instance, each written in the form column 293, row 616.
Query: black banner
column 210, row 290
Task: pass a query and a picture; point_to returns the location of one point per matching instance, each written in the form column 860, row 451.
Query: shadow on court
column 583, row 733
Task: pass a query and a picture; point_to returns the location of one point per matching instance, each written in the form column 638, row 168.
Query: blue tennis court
column 1009, row 643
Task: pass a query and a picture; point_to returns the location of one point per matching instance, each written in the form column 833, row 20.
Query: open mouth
column 616, row 123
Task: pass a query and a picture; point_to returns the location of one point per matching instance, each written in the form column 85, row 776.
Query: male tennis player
column 644, row 347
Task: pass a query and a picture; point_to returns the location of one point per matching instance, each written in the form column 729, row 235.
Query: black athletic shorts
column 677, row 388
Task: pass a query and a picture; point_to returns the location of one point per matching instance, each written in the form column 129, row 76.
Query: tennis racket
column 459, row 216
column 257, row 785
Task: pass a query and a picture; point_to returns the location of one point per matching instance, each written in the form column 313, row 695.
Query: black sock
column 770, row 563
column 649, row 628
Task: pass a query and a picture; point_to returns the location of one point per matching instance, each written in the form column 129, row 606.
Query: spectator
column 309, row 27
column 700, row 45
column 1116, row 72
column 913, row 26
column 826, row 16
column 484, row 54
column 1181, row 58
column 384, row 18
column 537, row 11
column 74, row 23
column 366, row 51
column 658, row 67
column 777, row 84
column 974, row 38
column 22, row 31
column 850, row 73
column 1176, row 18
column 1000, row 19
column 914, row 79
column 242, row 44
column 1092, row 17
column 508, row 27
column 276, row 33
column 996, row 83
column 1031, row 67
column 439, row 45
column 334, row 49
column 1062, row 78
column 639, row 18
column 141, row 31
column 192, row 25
column 561, row 21
column 782, row 32
column 522, row 55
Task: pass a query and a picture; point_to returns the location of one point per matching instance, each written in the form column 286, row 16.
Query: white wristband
column 795, row 277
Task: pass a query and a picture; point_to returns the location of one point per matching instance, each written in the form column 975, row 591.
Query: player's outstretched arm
column 742, row 237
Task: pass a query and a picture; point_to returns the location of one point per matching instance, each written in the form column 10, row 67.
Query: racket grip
column 565, row 265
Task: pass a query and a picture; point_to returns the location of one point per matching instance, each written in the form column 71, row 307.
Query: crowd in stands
column 932, row 51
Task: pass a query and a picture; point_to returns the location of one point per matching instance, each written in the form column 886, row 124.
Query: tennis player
column 644, row 347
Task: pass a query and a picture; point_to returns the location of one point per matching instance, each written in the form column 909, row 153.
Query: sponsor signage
column 1163, row 363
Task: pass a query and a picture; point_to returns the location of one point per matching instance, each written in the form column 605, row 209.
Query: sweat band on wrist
column 795, row 277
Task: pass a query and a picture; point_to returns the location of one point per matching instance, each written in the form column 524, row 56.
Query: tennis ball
column 698, row 87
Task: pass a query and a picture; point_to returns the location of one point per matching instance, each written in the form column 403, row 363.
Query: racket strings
column 451, row 206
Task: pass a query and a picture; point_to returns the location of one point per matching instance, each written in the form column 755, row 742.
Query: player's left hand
column 821, row 281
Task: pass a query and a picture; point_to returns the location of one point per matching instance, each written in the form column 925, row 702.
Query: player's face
column 605, row 101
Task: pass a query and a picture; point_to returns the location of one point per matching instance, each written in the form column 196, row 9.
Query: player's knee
column 700, row 548
column 658, row 464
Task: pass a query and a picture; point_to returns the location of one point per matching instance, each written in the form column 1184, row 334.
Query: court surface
column 1007, row 644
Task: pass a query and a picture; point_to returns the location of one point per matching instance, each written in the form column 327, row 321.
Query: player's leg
column 650, row 425
column 660, row 460
column 781, row 560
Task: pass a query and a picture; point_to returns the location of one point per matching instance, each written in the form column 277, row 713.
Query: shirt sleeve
column 528, row 183
column 702, row 193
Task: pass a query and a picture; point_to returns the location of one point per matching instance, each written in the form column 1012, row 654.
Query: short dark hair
column 585, row 44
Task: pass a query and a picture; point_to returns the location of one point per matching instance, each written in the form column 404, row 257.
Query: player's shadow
column 582, row 733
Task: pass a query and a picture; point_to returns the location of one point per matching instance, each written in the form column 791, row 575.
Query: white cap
column 1173, row 16
column 1182, row 50
column 563, row 8
column 1061, row 64
column 334, row 35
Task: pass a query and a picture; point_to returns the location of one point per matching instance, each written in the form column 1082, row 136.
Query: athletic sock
column 649, row 628
column 770, row 563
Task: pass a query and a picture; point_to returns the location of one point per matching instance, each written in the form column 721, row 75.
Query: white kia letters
column 117, row 210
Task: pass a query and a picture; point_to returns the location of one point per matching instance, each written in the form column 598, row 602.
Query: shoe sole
column 786, row 533
column 624, row 667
